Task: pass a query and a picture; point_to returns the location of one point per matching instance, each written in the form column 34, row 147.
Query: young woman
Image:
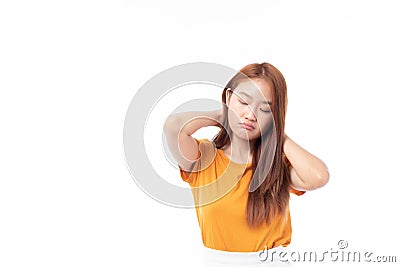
column 242, row 179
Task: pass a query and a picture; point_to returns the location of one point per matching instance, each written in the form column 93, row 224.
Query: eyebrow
column 249, row 96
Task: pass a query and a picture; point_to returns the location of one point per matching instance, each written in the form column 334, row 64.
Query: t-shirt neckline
column 233, row 162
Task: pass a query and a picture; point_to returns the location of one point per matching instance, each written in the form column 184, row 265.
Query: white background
column 69, row 69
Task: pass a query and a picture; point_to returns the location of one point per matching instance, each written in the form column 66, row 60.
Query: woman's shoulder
column 210, row 154
column 207, row 149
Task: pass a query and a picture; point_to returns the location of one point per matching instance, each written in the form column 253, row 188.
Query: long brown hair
column 272, row 196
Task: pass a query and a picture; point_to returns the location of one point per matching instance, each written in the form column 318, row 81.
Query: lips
column 248, row 126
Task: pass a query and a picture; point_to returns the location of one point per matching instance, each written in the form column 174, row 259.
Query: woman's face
column 249, row 111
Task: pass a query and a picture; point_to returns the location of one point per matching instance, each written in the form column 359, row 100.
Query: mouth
column 247, row 126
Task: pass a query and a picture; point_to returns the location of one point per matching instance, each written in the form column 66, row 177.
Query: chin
column 249, row 137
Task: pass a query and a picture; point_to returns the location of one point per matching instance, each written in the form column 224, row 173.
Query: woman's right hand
column 217, row 115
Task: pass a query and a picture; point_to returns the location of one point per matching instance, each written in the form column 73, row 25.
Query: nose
column 249, row 114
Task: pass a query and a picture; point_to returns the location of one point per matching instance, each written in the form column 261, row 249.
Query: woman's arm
column 178, row 130
column 309, row 172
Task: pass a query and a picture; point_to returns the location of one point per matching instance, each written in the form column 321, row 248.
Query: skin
column 249, row 115
column 308, row 173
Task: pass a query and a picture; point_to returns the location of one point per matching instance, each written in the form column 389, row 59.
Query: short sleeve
column 296, row 192
column 205, row 157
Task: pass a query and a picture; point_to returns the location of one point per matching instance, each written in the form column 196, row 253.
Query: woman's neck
column 239, row 150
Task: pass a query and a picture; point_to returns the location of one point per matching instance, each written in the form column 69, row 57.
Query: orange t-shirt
column 220, row 191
